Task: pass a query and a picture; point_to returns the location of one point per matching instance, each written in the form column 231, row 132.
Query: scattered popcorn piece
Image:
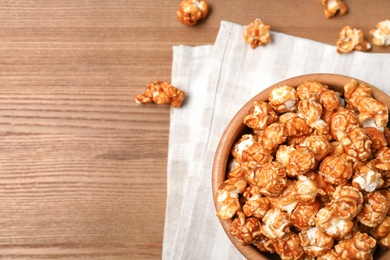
column 289, row 247
column 381, row 35
column 260, row 116
column 245, row 229
column 334, row 6
column 315, row 243
column 351, row 39
column 272, row 179
column 303, row 215
column 257, row 33
column 335, row 170
column 276, row 224
column 161, row 92
column 360, row 246
column 283, row 99
column 375, row 208
column 191, row 11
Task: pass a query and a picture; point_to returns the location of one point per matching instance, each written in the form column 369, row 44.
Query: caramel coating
column 284, row 99
column 274, row 135
column 333, row 7
column 303, row 215
column 381, row 35
column 354, row 91
column 260, row 116
column 335, row 170
column 351, row 39
column 370, row 108
column 319, row 145
column 191, row 11
column 257, row 33
column 377, row 138
column 360, row 246
column 264, row 244
column 382, row 229
column 347, row 202
column 256, row 206
column 245, row 229
column 332, row 224
column 302, row 160
column 315, row 243
column 272, row 179
column 360, row 146
column 227, row 197
column 289, row 247
column 374, row 209
column 342, row 123
column 161, row 92
column 286, row 201
column 311, row 90
column 367, row 179
column 306, row 189
column 296, row 126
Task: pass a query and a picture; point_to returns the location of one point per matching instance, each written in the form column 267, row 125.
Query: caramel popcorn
column 260, row 116
column 191, row 11
column 351, row 39
column 332, row 7
column 283, row 99
column 289, row 247
column 161, row 92
column 309, row 178
column 315, row 243
column 245, row 229
column 276, row 224
column 360, row 246
column 374, row 209
column 257, row 33
column 381, row 35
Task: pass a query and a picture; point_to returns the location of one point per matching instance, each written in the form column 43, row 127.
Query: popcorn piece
column 330, row 100
column 315, row 243
column 264, row 244
column 330, row 255
column 370, row 108
column 311, row 90
column 306, row 189
column 351, row 39
column 161, row 92
column 335, row 170
column 347, row 202
column 256, row 206
column 342, row 123
column 272, row 179
column 303, row 215
column 257, row 33
column 381, row 35
column 284, row 153
column 245, row 229
column 296, row 126
column 354, row 91
column 367, row 179
column 312, row 110
column 384, row 243
column 383, row 155
column 286, row 201
column 377, row 138
column 329, row 222
column 360, row 246
column 274, row 135
column 374, row 209
column 289, row 247
column 360, row 146
column 283, row 99
column 302, row 160
column 319, row 146
column 334, row 6
column 191, row 11
column 227, row 197
column 260, row 116
column 276, row 224
column 382, row 229
column 249, row 153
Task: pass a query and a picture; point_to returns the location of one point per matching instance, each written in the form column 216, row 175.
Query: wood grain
column 82, row 167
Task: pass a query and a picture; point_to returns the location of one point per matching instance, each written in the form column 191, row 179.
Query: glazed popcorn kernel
column 161, row 92
column 333, row 7
column 191, row 11
column 257, row 33
column 351, row 39
column 381, row 35
column 311, row 179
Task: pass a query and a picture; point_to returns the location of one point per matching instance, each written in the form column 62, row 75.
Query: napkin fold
column 218, row 80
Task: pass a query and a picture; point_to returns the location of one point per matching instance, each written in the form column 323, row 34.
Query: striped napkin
column 218, row 80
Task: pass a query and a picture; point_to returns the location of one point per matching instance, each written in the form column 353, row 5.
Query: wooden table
column 83, row 167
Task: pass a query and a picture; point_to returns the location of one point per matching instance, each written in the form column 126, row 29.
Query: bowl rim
column 236, row 126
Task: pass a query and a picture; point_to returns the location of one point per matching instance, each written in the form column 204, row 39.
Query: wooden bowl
column 236, row 128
